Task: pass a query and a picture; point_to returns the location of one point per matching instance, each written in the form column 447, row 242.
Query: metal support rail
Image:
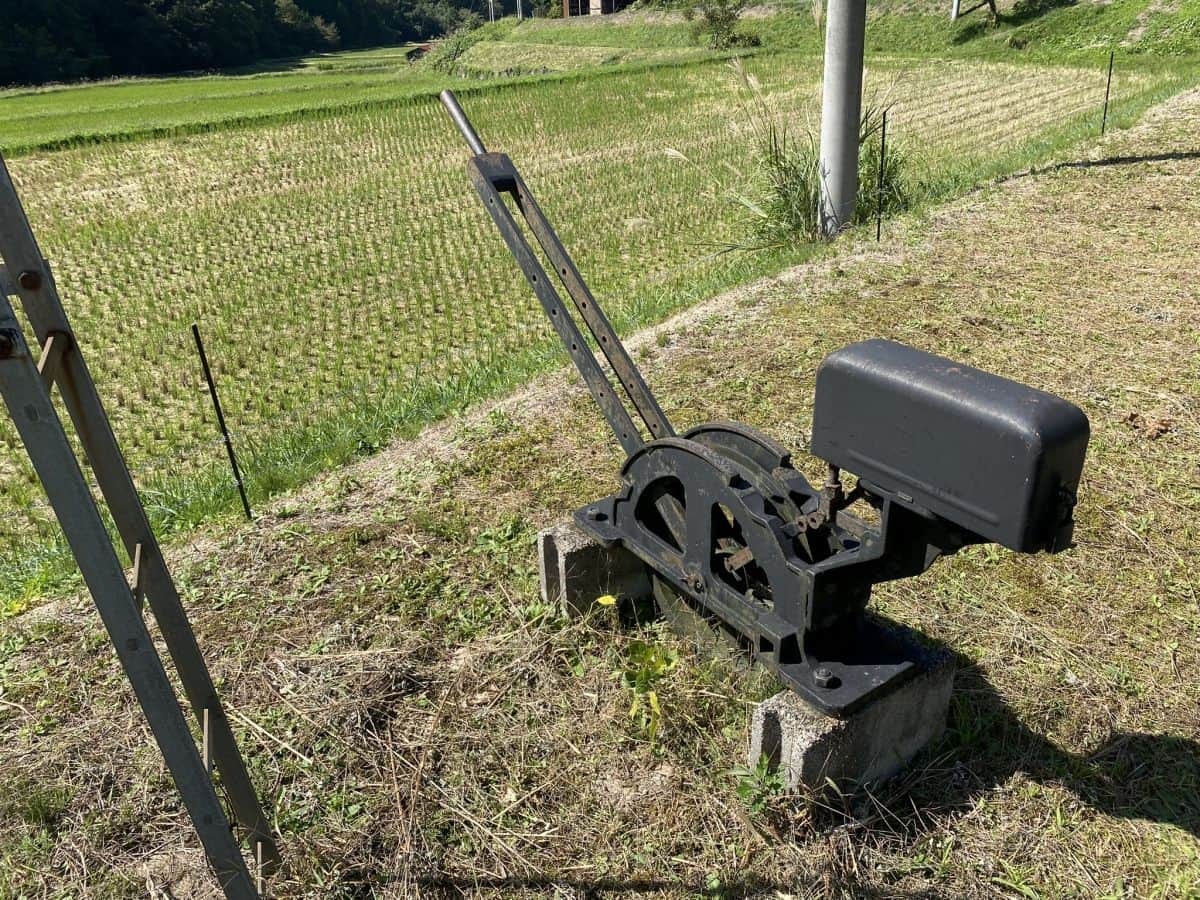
column 27, row 390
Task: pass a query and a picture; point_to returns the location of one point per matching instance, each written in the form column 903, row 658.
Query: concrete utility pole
column 841, row 109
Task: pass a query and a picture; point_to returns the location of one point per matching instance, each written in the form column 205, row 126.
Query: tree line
column 65, row 40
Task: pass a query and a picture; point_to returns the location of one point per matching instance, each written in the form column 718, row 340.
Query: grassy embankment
column 421, row 725
column 355, row 220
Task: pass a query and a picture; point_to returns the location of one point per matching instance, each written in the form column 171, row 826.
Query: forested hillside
column 63, row 40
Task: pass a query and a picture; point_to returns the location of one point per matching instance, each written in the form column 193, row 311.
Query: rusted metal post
column 879, row 187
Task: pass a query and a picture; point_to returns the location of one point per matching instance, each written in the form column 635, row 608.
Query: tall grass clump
column 784, row 206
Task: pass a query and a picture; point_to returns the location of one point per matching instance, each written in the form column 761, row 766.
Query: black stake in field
column 947, row 456
column 879, row 187
column 216, row 400
column 1107, row 91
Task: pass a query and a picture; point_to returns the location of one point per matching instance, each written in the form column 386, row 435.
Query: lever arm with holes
column 494, row 174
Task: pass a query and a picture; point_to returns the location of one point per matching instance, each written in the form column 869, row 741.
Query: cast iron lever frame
column 721, row 515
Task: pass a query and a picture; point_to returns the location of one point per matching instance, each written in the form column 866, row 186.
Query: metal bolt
column 594, row 514
column 30, row 280
column 825, row 679
column 8, row 343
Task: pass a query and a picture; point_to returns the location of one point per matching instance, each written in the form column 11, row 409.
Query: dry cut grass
column 424, row 726
column 341, row 265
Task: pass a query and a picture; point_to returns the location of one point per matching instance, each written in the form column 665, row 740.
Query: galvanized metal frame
column 27, row 389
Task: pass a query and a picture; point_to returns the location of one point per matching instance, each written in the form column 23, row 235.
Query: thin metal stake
column 1107, row 90
column 258, row 871
column 212, row 390
column 879, row 188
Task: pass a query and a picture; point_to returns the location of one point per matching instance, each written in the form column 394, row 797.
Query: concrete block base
column 809, row 747
column 868, row 746
column 576, row 569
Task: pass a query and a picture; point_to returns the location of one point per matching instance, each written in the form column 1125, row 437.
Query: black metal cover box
column 998, row 458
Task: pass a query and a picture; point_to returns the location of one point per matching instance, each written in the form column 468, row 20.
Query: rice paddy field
column 125, row 109
column 491, row 58
column 345, row 278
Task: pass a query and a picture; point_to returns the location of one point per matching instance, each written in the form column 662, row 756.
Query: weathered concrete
column 810, row 748
column 576, row 569
column 866, row 747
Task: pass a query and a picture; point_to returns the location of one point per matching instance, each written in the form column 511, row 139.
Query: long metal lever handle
column 493, row 174
column 463, row 123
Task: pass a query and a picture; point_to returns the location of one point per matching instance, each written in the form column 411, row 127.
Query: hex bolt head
column 8, row 343
column 825, row 679
column 594, row 514
column 30, row 280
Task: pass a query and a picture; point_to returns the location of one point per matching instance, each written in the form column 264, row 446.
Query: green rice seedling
column 350, row 288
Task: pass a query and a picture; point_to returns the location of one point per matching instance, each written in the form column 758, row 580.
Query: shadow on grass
column 1132, row 776
column 1023, row 11
column 736, row 889
column 1027, row 10
column 1174, row 156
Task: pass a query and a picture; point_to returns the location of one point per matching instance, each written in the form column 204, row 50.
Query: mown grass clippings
column 431, row 733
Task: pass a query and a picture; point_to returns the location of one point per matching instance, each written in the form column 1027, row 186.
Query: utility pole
column 841, row 109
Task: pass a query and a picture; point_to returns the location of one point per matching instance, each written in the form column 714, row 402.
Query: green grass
column 421, row 717
column 351, row 291
column 349, row 287
column 512, row 58
column 1141, row 32
column 64, row 116
column 628, row 30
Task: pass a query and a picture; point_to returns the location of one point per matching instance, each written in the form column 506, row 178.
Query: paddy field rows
column 348, row 283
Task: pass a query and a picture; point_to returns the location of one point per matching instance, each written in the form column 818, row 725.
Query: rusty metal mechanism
column 946, row 456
